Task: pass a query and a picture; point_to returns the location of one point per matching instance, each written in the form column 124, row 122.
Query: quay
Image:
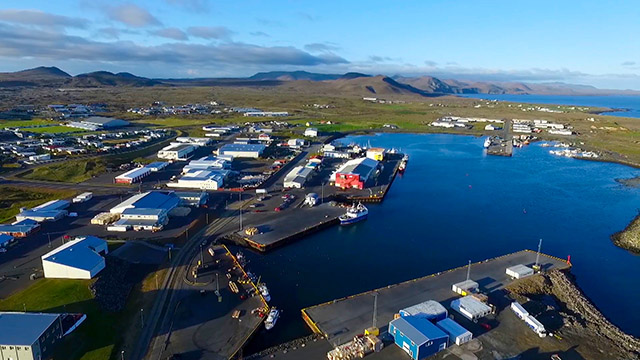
column 289, row 226
column 201, row 312
column 504, row 144
column 342, row 319
column 377, row 191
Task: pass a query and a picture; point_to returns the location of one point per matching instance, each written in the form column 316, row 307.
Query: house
column 242, row 150
column 29, row 336
column 311, row 132
column 82, row 258
column 418, row 337
column 354, row 173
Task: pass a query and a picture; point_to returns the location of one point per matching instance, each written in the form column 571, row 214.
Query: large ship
column 273, row 316
column 354, row 214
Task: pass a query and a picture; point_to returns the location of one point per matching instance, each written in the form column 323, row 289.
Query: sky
column 573, row 41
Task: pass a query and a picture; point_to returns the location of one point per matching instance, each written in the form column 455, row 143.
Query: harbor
column 344, row 318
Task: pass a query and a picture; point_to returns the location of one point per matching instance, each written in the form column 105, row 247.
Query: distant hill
column 351, row 83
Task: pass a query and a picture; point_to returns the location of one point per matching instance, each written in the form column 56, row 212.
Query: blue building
column 417, row 336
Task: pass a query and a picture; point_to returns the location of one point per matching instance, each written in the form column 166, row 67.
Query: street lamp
column 122, row 355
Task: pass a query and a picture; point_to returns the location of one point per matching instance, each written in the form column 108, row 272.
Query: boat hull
column 353, row 220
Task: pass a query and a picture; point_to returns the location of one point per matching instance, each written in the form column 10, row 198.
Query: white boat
column 354, row 214
column 273, row 316
column 487, row 142
column 264, row 291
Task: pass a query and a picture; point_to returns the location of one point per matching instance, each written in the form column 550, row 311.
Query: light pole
column 201, row 256
column 49, row 237
column 141, row 318
column 122, row 355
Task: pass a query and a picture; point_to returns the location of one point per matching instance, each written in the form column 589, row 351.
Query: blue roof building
column 242, row 150
column 418, row 337
column 457, row 334
column 81, row 258
column 28, row 335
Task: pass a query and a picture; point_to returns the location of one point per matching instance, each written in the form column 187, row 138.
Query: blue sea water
column 455, row 204
column 630, row 103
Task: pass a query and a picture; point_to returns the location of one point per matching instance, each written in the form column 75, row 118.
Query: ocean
column 630, row 103
column 455, row 204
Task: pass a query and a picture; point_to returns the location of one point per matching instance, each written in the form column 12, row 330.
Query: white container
column 519, row 271
column 536, row 326
column 519, row 310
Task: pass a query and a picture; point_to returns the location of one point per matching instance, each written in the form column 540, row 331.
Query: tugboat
column 273, row 316
column 354, row 214
column 262, row 287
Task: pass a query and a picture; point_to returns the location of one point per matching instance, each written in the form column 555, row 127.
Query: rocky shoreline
column 629, row 238
column 285, row 347
column 580, row 314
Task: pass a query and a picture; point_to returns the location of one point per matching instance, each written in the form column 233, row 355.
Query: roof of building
column 149, row 200
column 428, row 308
column 203, row 174
column 177, row 147
column 79, row 253
column 360, row 166
column 25, row 222
column 192, row 194
column 24, row 328
column 18, row 228
column 472, row 305
column 419, row 330
column 101, row 120
column 451, row 327
column 243, row 147
column 133, row 173
column 52, row 205
column 143, row 211
column 41, row 214
column 521, row 269
column 157, row 165
column 466, row 285
column 135, row 222
column 5, row 238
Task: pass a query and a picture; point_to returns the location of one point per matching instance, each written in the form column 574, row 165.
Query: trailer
column 82, row 198
column 519, row 310
column 519, row 271
column 535, row 325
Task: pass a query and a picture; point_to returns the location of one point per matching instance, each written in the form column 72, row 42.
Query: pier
column 342, row 319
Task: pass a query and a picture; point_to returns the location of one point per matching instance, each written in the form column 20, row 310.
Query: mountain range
column 349, row 84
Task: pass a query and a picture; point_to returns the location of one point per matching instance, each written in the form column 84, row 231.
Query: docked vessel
column 487, row 142
column 264, row 291
column 273, row 316
column 403, row 163
column 354, row 214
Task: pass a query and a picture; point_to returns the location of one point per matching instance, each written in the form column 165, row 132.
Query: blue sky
column 587, row 42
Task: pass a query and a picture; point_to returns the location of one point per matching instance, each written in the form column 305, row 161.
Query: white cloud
column 40, row 19
column 131, row 15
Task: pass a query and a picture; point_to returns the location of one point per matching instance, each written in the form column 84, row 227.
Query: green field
column 74, row 171
column 93, row 340
column 58, row 129
column 24, row 123
column 13, row 198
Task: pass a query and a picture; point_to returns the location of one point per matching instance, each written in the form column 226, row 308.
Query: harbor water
column 455, row 204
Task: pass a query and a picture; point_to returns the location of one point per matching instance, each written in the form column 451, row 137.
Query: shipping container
column 457, row 334
column 536, row 326
column 519, row 310
column 471, row 308
column 519, row 271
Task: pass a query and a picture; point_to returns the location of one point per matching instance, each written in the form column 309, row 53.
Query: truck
column 536, row 326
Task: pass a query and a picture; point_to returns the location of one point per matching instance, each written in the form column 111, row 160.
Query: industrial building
column 190, row 198
column 242, row 150
column 457, row 334
column 5, row 240
column 82, row 258
column 376, row 153
column 355, row 173
column 471, row 308
column 157, row 166
column 297, row 177
column 465, row 288
column 295, row 143
column 519, row 271
column 176, row 151
column 311, row 132
column 418, row 337
column 49, row 211
column 201, row 179
column 207, row 163
column 195, row 141
column 98, row 123
column 133, row 175
column 29, row 336
column 19, row 229
column 430, row 310
column 146, row 211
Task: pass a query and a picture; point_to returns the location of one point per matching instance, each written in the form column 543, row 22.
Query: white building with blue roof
column 417, row 336
column 146, row 211
column 242, row 150
column 29, row 336
column 82, row 258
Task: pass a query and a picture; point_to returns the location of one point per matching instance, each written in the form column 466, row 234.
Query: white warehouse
column 81, row 258
column 176, row 151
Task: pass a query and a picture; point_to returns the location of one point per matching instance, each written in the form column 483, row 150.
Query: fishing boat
column 262, row 287
column 403, row 163
column 487, row 143
column 354, row 214
column 273, row 316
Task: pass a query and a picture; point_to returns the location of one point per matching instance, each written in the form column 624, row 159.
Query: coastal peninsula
column 629, row 238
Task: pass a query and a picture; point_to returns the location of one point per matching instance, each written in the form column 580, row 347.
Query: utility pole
column 122, row 355
column 157, row 287
column 375, row 309
column 322, row 198
column 49, row 237
column 201, row 256
column 141, row 318
column 469, row 270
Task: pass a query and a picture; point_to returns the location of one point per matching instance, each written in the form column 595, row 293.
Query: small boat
column 354, row 214
column 264, row 291
column 487, row 143
column 273, row 316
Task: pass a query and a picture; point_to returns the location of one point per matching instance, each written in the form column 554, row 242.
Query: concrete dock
column 342, row 319
column 291, row 225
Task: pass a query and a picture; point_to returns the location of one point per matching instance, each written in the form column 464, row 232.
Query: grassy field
column 25, row 123
column 58, row 129
column 13, row 198
column 74, row 171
